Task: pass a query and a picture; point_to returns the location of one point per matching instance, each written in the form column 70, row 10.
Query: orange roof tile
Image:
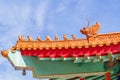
column 93, row 39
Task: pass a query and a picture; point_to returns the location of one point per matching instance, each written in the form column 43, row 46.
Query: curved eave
column 21, row 62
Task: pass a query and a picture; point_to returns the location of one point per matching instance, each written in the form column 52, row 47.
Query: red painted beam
column 76, row 52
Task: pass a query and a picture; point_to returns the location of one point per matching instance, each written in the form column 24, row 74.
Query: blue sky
column 50, row 17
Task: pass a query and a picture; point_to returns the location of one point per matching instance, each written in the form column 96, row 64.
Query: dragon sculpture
column 91, row 31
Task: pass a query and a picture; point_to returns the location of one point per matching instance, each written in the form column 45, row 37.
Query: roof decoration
column 100, row 40
column 93, row 45
column 93, row 39
column 103, row 50
column 91, row 32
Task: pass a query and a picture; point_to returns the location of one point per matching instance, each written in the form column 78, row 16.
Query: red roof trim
column 76, row 52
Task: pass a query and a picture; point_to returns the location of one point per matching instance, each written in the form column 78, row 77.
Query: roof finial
column 91, row 31
column 48, row 38
column 73, row 37
column 38, row 38
column 56, row 37
column 30, row 38
column 22, row 38
column 65, row 37
column 88, row 22
column 19, row 38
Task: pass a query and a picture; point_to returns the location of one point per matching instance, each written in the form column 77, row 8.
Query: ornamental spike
column 48, row 38
column 19, row 38
column 38, row 38
column 73, row 37
column 22, row 38
column 30, row 38
column 65, row 37
column 56, row 37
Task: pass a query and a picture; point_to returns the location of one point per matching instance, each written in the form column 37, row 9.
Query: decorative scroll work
column 91, row 32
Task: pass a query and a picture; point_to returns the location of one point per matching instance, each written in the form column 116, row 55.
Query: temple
column 96, row 57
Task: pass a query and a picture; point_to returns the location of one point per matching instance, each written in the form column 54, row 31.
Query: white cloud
column 41, row 13
column 15, row 19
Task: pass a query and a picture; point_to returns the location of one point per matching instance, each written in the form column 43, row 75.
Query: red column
column 107, row 76
column 82, row 78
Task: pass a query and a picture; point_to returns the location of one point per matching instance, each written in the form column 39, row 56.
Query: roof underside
column 55, row 69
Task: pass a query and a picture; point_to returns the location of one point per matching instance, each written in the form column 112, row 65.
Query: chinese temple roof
column 69, row 56
column 93, row 45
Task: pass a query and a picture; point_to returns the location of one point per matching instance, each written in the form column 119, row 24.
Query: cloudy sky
column 50, row 17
